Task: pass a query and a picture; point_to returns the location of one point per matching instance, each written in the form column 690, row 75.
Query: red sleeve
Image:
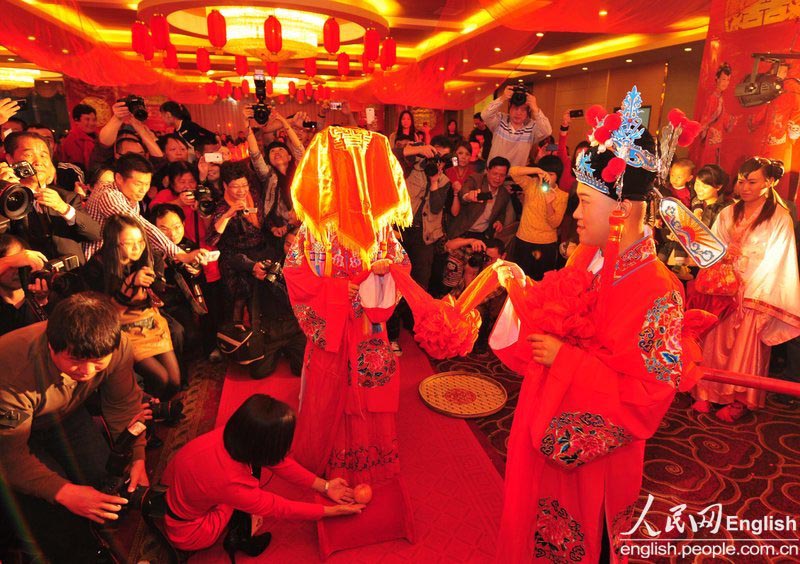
column 256, row 501
column 291, row 471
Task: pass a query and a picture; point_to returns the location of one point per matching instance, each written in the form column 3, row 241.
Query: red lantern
column 217, row 30
column 388, row 53
column 268, row 88
column 148, row 49
column 237, row 93
column 327, row 94
column 245, row 87
column 343, row 64
column 273, row 68
column 281, row 99
column 320, row 92
column 212, row 89
column 292, row 88
column 372, row 43
column 301, row 97
column 310, row 66
column 366, row 65
column 309, row 90
column 273, row 35
column 171, row 57
column 330, row 36
column 203, row 60
column 227, row 89
column 241, row 65
column 160, row 29
column 138, row 31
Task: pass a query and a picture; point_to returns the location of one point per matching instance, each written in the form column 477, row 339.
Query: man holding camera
column 514, row 133
column 113, row 141
column 52, row 454
column 484, row 204
column 56, row 225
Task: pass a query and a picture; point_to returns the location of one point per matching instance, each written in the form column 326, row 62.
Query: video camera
column 519, row 96
column 16, row 200
column 205, row 200
column 260, row 109
column 136, row 106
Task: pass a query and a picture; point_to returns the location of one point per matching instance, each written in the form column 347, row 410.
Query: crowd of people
column 179, row 242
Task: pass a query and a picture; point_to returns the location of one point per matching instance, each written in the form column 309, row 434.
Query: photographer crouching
column 52, row 455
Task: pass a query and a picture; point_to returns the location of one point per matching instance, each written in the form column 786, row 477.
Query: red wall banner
column 744, row 115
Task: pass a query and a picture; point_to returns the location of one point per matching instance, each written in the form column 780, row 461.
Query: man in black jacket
column 56, row 225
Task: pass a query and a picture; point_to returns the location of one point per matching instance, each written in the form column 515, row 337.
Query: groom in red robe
column 599, row 373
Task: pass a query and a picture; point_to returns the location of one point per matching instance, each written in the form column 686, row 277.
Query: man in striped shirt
column 514, row 133
column 132, row 175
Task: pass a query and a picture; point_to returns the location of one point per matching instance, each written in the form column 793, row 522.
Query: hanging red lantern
column 320, row 92
column 227, row 89
column 148, row 49
column 237, row 93
column 171, row 57
column 372, row 43
column 203, row 60
column 327, row 94
column 273, row 35
column 301, row 97
column 343, row 64
column 241, row 65
column 138, row 31
column 212, row 89
column 366, row 65
column 281, row 99
column 160, row 29
column 330, row 36
column 388, row 53
column 292, row 88
column 245, row 87
column 272, row 68
column 310, row 65
column 268, row 88
column 309, row 90
column 217, row 30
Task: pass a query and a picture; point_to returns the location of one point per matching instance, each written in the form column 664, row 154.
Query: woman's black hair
column 179, row 111
column 464, row 145
column 448, row 126
column 724, row 68
column 284, row 180
column 162, row 141
column 7, row 240
column 260, row 432
column 715, row 176
column 582, row 145
column 231, row 170
column 179, row 168
column 160, row 210
column 411, row 131
column 96, row 173
column 114, row 272
column 86, row 325
column 772, row 169
column 552, row 163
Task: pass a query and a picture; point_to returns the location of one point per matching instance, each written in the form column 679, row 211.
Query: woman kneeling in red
column 214, row 480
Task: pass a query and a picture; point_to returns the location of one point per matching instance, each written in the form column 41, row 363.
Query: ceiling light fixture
column 464, row 60
column 584, row 68
column 602, row 13
column 687, row 49
column 628, row 60
column 540, row 34
column 548, row 75
column 31, row 38
column 441, row 68
column 497, row 49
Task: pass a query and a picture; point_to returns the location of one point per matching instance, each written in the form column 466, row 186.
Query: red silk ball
column 691, row 129
column 676, row 117
column 612, row 121
column 602, row 134
column 614, row 169
column 595, row 113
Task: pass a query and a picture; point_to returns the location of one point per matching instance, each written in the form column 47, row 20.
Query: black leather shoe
column 251, row 546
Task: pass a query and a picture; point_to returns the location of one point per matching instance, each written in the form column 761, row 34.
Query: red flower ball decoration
column 443, row 333
column 612, row 122
column 595, row 114
column 614, row 169
column 602, row 134
column 691, row 129
column 676, row 117
column 561, row 306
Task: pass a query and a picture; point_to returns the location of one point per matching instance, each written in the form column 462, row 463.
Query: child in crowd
column 681, row 175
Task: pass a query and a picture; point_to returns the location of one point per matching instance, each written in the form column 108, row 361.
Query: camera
column 478, row 260
column 484, row 196
column 248, row 211
column 260, row 110
column 519, row 96
column 167, row 411
column 336, row 105
column 205, row 200
column 309, row 125
column 274, row 270
column 54, row 266
column 16, row 200
column 118, row 460
column 136, row 106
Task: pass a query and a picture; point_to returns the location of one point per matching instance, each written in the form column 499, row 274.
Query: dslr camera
column 430, row 165
column 16, row 200
column 136, row 106
column 205, row 200
column 115, row 482
column 53, row 268
column 260, row 109
column 519, row 96
column 479, row 260
column 274, row 270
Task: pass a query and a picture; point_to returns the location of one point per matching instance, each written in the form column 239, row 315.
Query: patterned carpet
column 751, row 468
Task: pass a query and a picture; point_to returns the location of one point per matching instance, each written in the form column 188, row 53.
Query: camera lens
column 15, row 200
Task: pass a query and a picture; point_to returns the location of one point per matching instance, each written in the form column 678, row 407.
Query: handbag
column 720, row 279
column 243, row 345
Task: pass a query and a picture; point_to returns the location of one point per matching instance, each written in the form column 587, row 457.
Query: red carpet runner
column 455, row 491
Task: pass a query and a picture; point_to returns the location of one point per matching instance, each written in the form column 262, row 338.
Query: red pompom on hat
column 602, row 134
column 612, row 121
column 614, row 169
column 595, row 114
column 676, row 117
column 691, row 129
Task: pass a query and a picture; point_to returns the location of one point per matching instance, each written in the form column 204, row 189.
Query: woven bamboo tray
column 463, row 394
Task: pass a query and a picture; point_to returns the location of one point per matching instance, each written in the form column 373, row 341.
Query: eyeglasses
column 136, row 244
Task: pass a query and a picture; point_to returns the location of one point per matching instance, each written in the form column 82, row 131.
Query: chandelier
column 18, row 78
column 245, row 27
